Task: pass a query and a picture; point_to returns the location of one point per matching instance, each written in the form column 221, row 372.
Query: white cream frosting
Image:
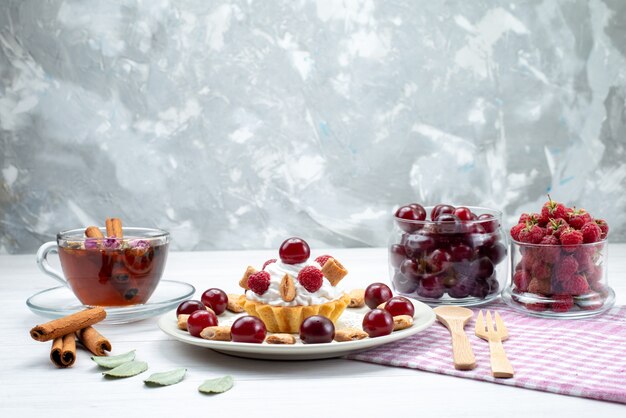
column 277, row 271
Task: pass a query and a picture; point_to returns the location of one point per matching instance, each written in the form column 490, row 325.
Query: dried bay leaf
column 132, row 368
column 218, row 385
column 166, row 378
column 111, row 362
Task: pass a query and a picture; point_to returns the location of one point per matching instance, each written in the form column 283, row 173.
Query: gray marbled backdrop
column 234, row 124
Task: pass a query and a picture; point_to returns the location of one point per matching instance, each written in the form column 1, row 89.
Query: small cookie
column 217, row 333
column 233, row 303
column 334, row 271
column 280, row 339
column 357, row 298
column 287, row 288
column 349, row 334
column 402, row 322
column 244, row 280
column 182, row 321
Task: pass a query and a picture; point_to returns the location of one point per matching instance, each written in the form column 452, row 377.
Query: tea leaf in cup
column 166, row 378
column 132, row 368
column 110, row 362
column 219, row 385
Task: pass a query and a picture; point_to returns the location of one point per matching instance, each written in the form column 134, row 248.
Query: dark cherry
column 199, row 320
column 216, row 299
column 490, row 226
column 463, row 213
column 399, row 305
column 461, row 252
column 462, row 288
column 418, row 244
column 410, row 268
column 431, row 286
column 496, row 252
column 317, row 329
column 404, row 284
column 294, row 251
column 448, row 224
column 483, row 268
column 397, row 254
column 412, row 212
column 483, row 288
column 438, row 260
column 377, row 293
column 248, row 329
column 190, row 306
column 378, row 322
column 439, row 210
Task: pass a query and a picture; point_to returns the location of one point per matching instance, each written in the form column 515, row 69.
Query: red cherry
column 317, row 329
column 461, row 252
column 412, row 212
column 377, row 293
column 248, row 329
column 440, row 210
column 397, row 254
column 377, row 323
column 215, row 299
column 489, row 222
column 463, row 213
column 399, row 305
column 294, row 251
column 190, row 306
column 199, row 320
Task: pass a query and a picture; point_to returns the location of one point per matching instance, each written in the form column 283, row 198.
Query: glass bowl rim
column 585, row 244
column 497, row 215
column 75, row 234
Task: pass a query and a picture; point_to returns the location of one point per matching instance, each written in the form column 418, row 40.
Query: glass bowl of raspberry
column 447, row 255
column 560, row 281
column 559, row 262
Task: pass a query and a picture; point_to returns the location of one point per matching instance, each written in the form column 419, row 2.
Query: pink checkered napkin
column 583, row 357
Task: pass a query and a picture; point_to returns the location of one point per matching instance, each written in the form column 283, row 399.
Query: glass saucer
column 60, row 301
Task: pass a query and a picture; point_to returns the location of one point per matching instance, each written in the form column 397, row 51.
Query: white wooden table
column 30, row 385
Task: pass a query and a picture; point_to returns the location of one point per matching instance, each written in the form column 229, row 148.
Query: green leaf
column 166, row 378
column 110, row 362
column 129, row 369
column 219, row 385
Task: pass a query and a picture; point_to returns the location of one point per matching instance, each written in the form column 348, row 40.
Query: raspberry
column 532, row 218
column 540, row 287
column 516, row 230
column 562, row 303
column 585, row 262
column 311, row 278
column 604, row 227
column 591, row 232
column 270, row 261
column 552, row 250
column 576, row 285
column 259, row 282
column 552, row 210
column 556, row 227
column 577, row 218
column 570, row 239
column 594, row 276
column 565, row 269
column 521, row 279
column 536, row 307
column 322, row 259
column 541, row 270
column 531, row 234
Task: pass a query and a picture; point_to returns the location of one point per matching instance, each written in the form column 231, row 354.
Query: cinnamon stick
column 114, row 227
column 93, row 341
column 63, row 353
column 68, row 324
column 93, row 232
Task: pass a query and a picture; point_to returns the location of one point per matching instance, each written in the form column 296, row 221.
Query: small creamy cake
column 287, row 291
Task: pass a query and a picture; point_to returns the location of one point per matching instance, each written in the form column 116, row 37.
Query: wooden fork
column 500, row 365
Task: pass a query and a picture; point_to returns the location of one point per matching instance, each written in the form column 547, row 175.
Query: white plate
column 60, row 301
column 424, row 317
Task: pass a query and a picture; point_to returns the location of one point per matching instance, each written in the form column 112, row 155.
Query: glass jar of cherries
column 448, row 255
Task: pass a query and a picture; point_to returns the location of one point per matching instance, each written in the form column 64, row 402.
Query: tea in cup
column 119, row 270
